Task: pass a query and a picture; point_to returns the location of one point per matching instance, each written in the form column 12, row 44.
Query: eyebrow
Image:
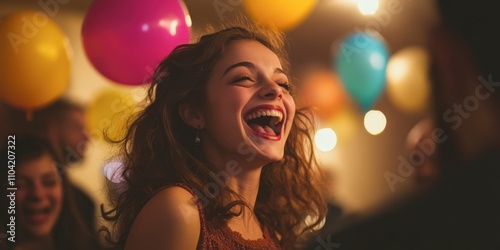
column 248, row 65
column 43, row 175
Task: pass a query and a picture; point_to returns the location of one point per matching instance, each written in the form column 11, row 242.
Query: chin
column 270, row 157
column 73, row 157
column 39, row 231
column 39, row 222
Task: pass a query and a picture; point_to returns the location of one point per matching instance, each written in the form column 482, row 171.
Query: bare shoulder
column 169, row 220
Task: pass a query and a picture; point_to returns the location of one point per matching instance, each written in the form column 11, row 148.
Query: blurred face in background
column 39, row 196
column 72, row 136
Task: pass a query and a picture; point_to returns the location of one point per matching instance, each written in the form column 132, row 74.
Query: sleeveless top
column 218, row 236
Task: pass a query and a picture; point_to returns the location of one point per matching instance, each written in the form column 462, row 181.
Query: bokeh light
column 397, row 68
column 113, row 171
column 377, row 61
column 367, row 7
column 325, row 139
column 375, row 122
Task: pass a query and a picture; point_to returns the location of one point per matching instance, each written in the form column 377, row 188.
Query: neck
column 39, row 243
column 246, row 185
column 240, row 175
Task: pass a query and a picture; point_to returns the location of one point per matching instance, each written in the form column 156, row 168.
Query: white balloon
column 408, row 79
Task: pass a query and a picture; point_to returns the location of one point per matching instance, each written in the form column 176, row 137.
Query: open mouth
column 265, row 122
column 37, row 215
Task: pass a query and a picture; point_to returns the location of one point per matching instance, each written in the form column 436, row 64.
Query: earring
column 197, row 140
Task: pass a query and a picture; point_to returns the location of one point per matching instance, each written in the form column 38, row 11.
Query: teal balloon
column 361, row 62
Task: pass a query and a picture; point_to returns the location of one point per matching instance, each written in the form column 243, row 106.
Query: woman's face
column 249, row 110
column 39, row 196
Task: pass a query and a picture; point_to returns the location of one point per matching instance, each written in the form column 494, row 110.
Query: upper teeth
column 268, row 112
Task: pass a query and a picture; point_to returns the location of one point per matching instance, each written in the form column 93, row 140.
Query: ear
column 191, row 115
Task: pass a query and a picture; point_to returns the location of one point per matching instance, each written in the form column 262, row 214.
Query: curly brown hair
column 159, row 150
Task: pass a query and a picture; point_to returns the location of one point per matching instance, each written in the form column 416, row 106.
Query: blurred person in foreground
column 462, row 211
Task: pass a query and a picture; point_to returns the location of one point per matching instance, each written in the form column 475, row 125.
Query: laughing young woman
column 220, row 158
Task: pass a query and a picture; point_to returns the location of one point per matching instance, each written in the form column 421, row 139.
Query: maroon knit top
column 218, row 235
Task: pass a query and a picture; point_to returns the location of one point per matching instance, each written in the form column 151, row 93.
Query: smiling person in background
column 218, row 159
column 62, row 123
column 46, row 215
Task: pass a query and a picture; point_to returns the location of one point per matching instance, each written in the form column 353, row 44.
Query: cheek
column 21, row 197
column 225, row 107
column 290, row 104
column 56, row 195
column 72, row 138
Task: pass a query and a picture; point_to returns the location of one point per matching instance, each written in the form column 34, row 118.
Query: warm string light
column 113, row 171
column 375, row 122
column 367, row 7
column 325, row 139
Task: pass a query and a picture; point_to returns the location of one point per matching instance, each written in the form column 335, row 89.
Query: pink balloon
column 125, row 40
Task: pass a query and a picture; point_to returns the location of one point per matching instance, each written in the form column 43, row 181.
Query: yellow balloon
column 109, row 114
column 408, row 84
column 36, row 64
column 283, row 14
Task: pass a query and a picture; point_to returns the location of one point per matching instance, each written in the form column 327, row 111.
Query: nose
column 84, row 138
column 36, row 192
column 84, row 135
column 270, row 90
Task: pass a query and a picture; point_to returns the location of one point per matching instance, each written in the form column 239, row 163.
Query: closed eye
column 242, row 78
column 285, row 85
